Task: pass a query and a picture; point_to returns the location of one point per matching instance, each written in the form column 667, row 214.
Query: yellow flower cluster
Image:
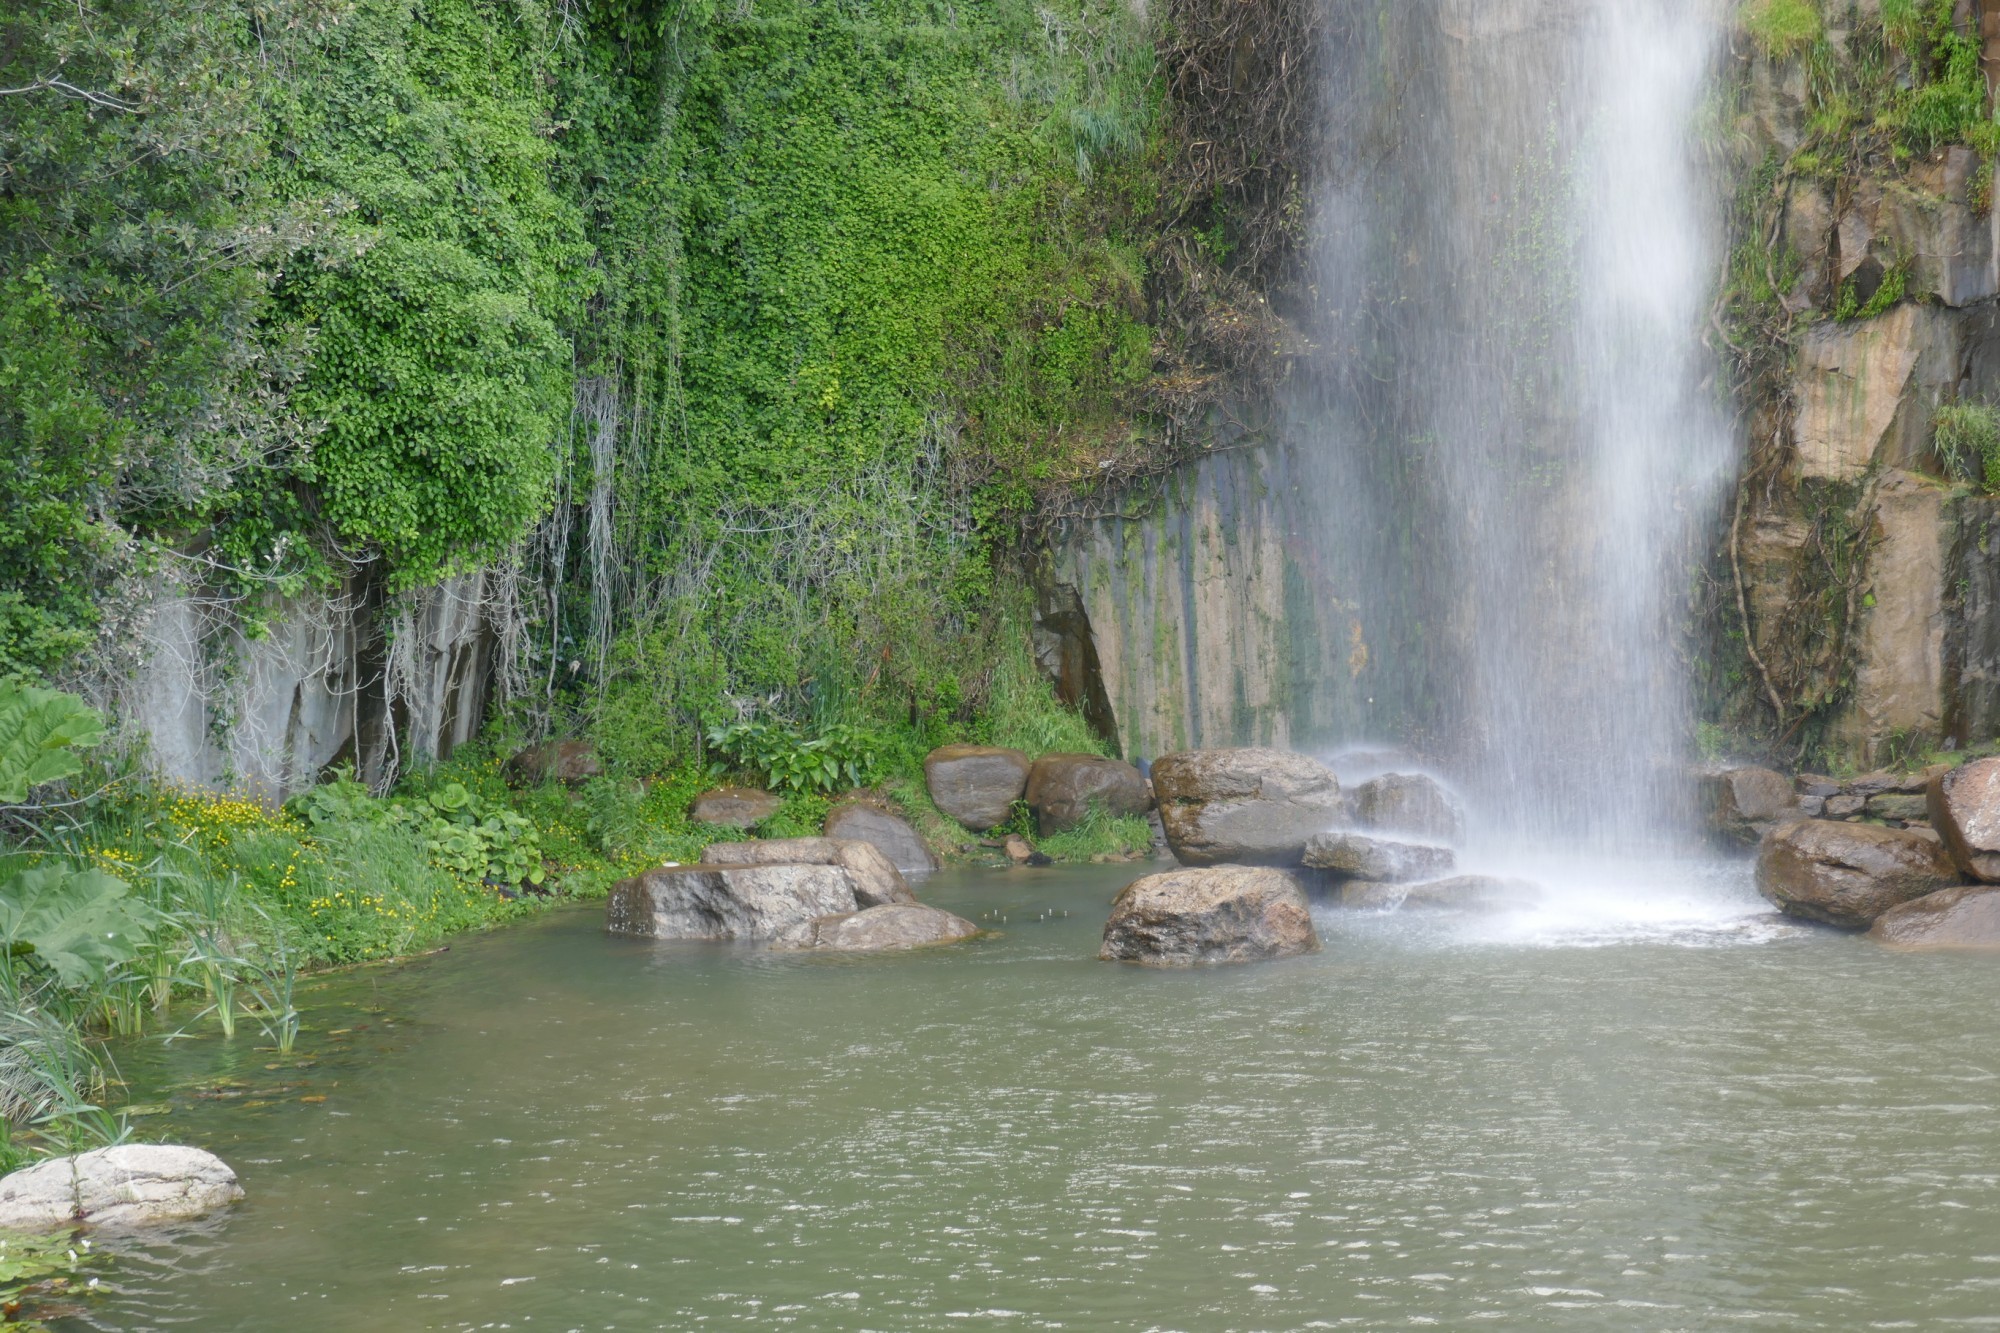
column 114, row 861
column 212, row 819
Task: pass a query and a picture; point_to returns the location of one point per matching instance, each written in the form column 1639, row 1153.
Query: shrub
column 1966, row 439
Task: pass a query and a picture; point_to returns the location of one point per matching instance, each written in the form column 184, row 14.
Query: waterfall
column 1514, row 249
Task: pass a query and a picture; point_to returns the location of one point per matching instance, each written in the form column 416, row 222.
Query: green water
column 1679, row 1118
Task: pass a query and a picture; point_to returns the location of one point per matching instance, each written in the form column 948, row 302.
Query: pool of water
column 1650, row 1107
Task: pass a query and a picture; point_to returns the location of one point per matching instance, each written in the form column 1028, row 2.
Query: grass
column 1783, row 27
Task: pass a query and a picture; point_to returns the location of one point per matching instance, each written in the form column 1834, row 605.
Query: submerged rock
column 1228, row 914
column 568, row 762
column 1365, row 856
column 1743, row 802
column 1849, row 874
column 734, row 807
column 1461, row 893
column 1409, row 803
column 1961, row 918
column 1964, row 808
column 1062, row 788
column 893, row 926
column 777, row 902
column 891, row 834
column 873, row 876
column 976, row 784
column 1244, row 806
column 131, row 1185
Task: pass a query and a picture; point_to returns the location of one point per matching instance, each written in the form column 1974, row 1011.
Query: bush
column 1966, row 439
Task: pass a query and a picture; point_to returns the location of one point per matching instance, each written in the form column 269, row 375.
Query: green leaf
column 77, row 923
column 40, row 730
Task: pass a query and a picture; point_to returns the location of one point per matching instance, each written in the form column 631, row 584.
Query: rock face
column 1063, row 787
column 1964, row 807
column 1411, row 804
column 890, row 834
column 1962, row 918
column 734, row 807
column 1847, row 875
column 873, row 876
column 778, row 902
column 1230, row 914
column 976, row 784
column 1462, row 893
column 1743, row 801
column 892, row 926
column 570, row 762
column 1244, row 806
column 1365, row 856
column 131, row 1185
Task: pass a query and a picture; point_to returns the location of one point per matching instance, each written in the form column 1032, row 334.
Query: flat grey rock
column 131, row 1185
column 1366, row 856
column 771, row 903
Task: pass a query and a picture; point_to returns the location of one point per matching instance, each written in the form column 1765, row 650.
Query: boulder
column 1062, row 788
column 1964, row 808
column 1961, row 918
column 873, row 876
column 1246, row 806
column 1365, row 856
column 864, row 821
column 734, row 807
column 1462, row 893
column 1895, row 805
column 976, row 784
column 1742, row 802
column 1409, row 803
column 1849, row 874
column 569, row 762
column 712, row 902
column 1018, row 850
column 892, row 926
column 1228, row 914
column 1844, row 807
column 131, row 1185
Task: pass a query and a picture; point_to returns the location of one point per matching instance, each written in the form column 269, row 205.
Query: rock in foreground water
column 131, row 1185
column 1062, row 788
column 1366, row 856
column 1961, row 918
column 895, row 926
column 734, row 807
column 1245, row 806
column 1849, row 874
column 1964, row 808
column 1227, row 914
column 1461, row 893
column 1411, row 804
column 976, row 784
column 864, row 821
column 728, row 902
column 872, row 875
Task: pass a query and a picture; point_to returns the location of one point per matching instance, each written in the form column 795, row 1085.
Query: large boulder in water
column 864, row 821
column 1961, row 918
column 1245, row 806
column 728, row 902
column 976, row 784
column 1847, row 875
column 1228, row 914
column 1062, row 788
column 131, row 1185
column 876, row 881
column 1364, row 856
column 1964, row 808
column 1742, row 802
column 893, row 926
column 1411, row 804
column 734, row 807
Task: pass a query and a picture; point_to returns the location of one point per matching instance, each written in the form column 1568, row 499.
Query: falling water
column 1515, row 248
